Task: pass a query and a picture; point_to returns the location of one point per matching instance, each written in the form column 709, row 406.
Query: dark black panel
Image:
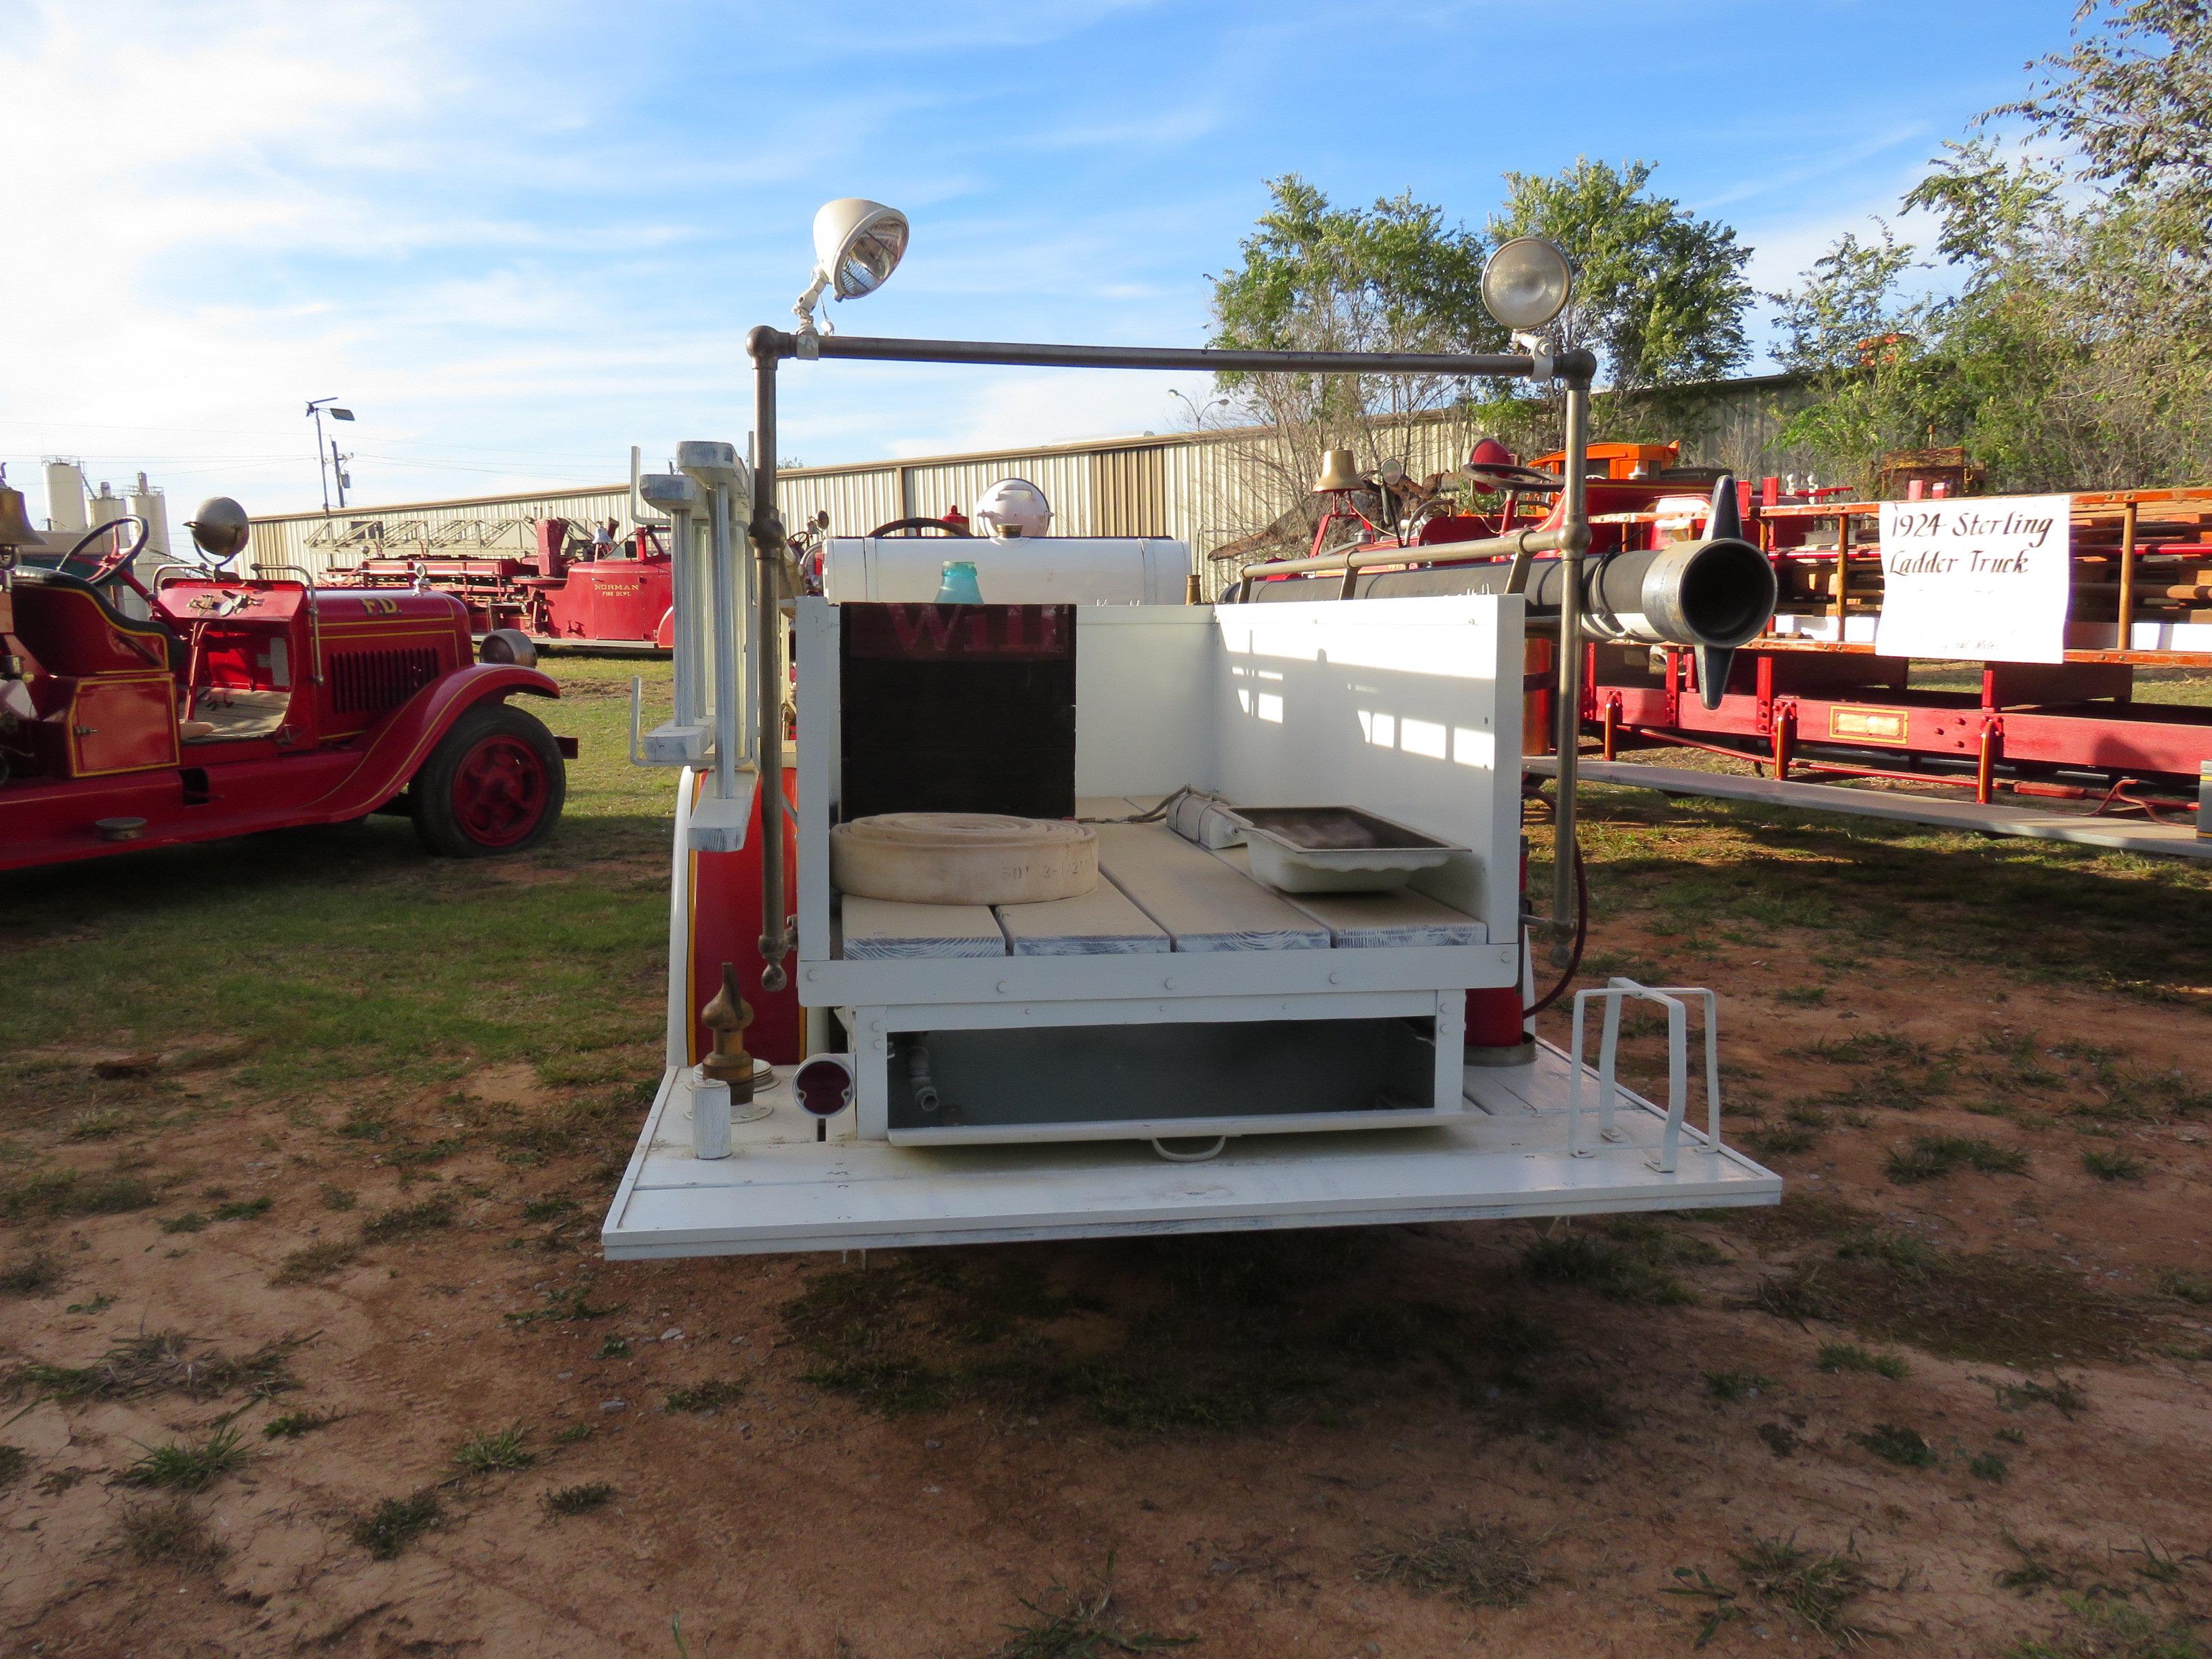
column 958, row 708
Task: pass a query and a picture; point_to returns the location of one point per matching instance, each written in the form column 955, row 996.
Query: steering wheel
column 1505, row 474
column 116, row 565
column 915, row 526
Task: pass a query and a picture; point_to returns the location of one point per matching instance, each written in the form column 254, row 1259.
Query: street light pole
column 322, row 467
column 326, row 464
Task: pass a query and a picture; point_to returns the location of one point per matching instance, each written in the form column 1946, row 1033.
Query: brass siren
column 1338, row 471
column 727, row 1016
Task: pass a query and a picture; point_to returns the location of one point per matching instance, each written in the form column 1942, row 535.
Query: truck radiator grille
column 369, row 682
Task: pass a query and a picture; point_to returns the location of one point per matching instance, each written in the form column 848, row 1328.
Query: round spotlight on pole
column 857, row 244
column 1526, row 282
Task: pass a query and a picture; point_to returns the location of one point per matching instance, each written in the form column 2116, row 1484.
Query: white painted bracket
column 719, row 825
column 671, row 745
column 1671, row 998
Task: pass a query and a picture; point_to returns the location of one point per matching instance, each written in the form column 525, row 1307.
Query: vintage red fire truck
column 242, row 705
column 555, row 595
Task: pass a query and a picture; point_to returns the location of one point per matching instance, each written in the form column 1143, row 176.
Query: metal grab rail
column 1669, row 997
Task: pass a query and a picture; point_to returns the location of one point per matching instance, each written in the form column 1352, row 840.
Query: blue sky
column 518, row 238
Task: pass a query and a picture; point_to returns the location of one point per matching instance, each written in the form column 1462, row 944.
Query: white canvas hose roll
column 963, row 858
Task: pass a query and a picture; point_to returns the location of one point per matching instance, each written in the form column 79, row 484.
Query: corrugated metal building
column 1206, row 488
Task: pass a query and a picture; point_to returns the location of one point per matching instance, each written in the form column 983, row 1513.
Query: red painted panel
column 725, row 926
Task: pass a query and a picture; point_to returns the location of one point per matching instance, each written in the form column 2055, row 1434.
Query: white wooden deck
column 1157, row 892
column 783, row 1190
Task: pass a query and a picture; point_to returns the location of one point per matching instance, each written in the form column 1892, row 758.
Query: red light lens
column 824, row 1087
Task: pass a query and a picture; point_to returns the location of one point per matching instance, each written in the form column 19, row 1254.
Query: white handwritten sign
column 1983, row 580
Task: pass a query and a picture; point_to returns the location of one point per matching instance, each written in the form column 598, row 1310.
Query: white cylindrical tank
column 106, row 506
column 65, row 497
column 151, row 506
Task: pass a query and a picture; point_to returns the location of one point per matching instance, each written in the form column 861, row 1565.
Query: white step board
column 783, row 1190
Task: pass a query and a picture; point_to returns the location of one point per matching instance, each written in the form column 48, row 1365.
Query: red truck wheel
column 494, row 784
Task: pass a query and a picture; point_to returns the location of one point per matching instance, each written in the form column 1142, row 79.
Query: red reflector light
column 824, row 1084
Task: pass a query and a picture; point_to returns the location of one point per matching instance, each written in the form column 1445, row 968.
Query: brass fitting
column 727, row 1016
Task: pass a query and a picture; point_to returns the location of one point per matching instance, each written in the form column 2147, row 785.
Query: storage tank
column 106, row 506
column 151, row 507
column 65, row 497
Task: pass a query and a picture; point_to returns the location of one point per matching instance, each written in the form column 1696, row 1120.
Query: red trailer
column 242, row 705
column 556, row 598
column 1811, row 697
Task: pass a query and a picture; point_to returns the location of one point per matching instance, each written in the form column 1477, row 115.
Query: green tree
column 1659, row 293
column 1660, row 298
column 2077, row 351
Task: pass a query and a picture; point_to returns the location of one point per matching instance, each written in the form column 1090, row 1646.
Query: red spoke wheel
column 495, row 784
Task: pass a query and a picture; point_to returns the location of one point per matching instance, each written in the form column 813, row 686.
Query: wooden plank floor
column 1202, row 903
column 878, row 928
column 1101, row 923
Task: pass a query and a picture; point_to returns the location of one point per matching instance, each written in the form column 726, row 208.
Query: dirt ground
column 335, row 1367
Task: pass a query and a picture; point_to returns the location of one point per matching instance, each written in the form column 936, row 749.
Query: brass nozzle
column 727, row 1016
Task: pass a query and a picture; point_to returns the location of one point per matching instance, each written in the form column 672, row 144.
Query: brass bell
column 727, row 1016
column 1338, row 471
column 15, row 523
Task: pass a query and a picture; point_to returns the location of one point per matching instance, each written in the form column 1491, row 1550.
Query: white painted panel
column 1399, row 706
column 1145, row 694
column 1050, row 570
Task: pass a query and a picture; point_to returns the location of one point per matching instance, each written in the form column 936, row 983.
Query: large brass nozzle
column 727, row 1016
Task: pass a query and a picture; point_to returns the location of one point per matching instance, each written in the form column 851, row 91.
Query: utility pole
column 324, row 464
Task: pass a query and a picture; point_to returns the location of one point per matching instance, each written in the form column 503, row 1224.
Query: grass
column 2179, row 1283
column 243, row 1209
column 495, row 1451
column 1485, row 1565
column 615, row 1347
column 1729, row 1387
column 59, row 1195
column 166, row 1362
column 182, row 1467
column 574, row 1434
column 2108, row 1165
column 1817, row 1591
column 35, row 1275
column 1070, row 1625
column 2094, row 1627
column 1931, row 1157
column 386, row 1531
column 2065, row 1398
column 1849, row 1357
column 1894, row 1443
column 293, row 1424
column 13, row 1461
column 704, row 1397
column 191, row 1221
column 169, row 1531
column 410, row 1221
column 579, row 1499
column 1987, row 1466
column 1622, row 1272
column 319, row 1260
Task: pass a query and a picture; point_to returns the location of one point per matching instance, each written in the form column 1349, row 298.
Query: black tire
column 515, row 802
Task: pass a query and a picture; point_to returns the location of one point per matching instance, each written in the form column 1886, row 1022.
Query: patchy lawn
column 304, row 1343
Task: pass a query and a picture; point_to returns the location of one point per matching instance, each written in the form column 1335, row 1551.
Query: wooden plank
column 1365, row 921
column 1101, row 923
column 1202, row 903
column 876, row 929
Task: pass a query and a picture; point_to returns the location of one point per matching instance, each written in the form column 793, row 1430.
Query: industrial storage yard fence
column 1210, row 489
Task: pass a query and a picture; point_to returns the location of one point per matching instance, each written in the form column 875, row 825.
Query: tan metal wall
column 1203, row 489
